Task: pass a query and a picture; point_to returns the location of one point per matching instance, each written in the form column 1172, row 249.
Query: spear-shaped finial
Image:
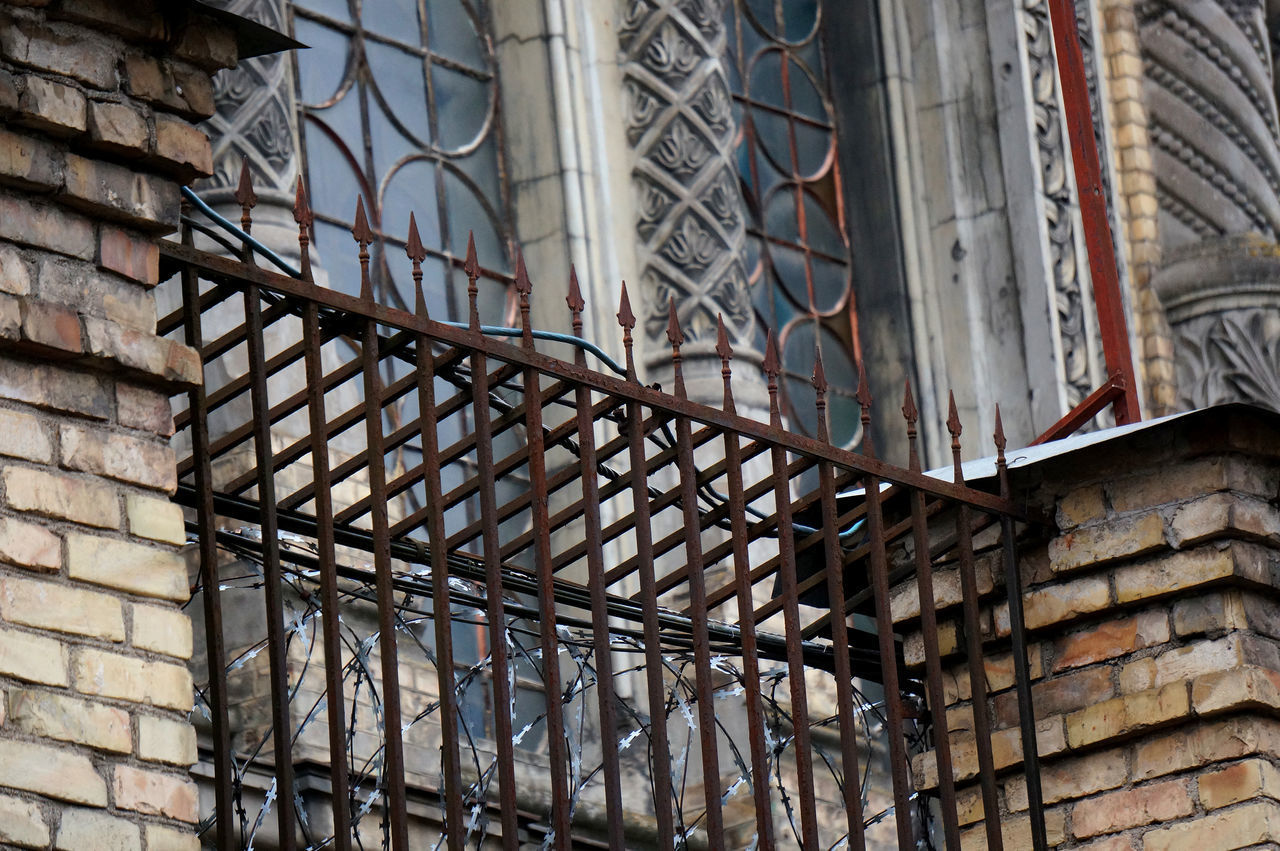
column 911, row 414
column 364, row 236
column 725, row 351
column 575, row 301
column 676, row 337
column 999, row 435
column 772, row 367
column 523, row 288
column 472, row 269
column 417, row 254
column 953, row 419
column 1002, row 468
column 627, row 319
column 864, row 403
column 819, row 382
column 245, row 196
column 303, row 216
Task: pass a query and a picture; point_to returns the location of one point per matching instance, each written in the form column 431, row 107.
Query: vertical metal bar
column 746, row 615
column 455, row 829
column 1021, row 669
column 839, row 624
column 603, row 652
column 282, row 733
column 1093, row 209
column 884, row 629
column 325, row 555
column 556, row 745
column 642, row 523
column 791, row 613
column 370, row 359
column 215, row 650
column 929, row 631
column 977, row 665
column 496, row 615
column 977, row 678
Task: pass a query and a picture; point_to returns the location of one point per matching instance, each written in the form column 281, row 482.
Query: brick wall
column 1154, row 644
column 97, row 100
column 1139, row 207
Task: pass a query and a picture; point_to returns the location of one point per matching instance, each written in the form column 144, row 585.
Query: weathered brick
column 1059, row 695
column 1110, row 639
column 81, row 829
column 1244, row 688
column 143, row 351
column 142, row 20
column 1006, row 749
column 1182, row 664
column 1116, row 811
column 1224, row 514
column 194, row 86
column 183, row 147
column 1246, row 825
column 32, row 658
column 155, row 519
column 118, row 129
column 137, row 568
column 905, row 599
column 115, row 191
column 1120, row 715
column 28, row 545
column 1188, row 569
column 134, row 257
column 31, row 222
column 1069, row 779
column 160, row 838
column 104, row 674
column 22, row 823
column 55, row 716
column 1096, row 545
column 15, row 272
column 29, row 163
column 80, row 500
column 51, row 771
column 162, row 630
column 1016, row 832
column 53, row 108
column 119, row 456
column 51, row 325
column 61, row 608
column 1058, row 604
column 97, row 294
column 1169, row 484
column 1205, row 743
column 22, row 435
column 154, row 793
column 207, row 44
column 146, row 77
column 65, row 51
column 1080, row 506
column 144, row 408
column 1111, row 843
column 1210, row 612
column 165, row 740
column 9, row 93
column 1253, row 778
column 999, row 671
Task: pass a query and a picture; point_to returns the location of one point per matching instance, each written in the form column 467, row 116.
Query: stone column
column 691, row 228
column 257, row 120
column 97, row 101
column 1210, row 94
column 1154, row 642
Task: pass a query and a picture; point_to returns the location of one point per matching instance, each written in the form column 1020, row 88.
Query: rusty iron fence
column 503, row 594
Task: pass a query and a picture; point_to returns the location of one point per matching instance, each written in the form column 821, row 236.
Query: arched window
column 399, row 104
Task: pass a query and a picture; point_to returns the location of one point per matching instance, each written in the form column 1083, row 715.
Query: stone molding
column 681, row 127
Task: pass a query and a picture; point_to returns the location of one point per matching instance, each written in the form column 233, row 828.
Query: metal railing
column 529, row 544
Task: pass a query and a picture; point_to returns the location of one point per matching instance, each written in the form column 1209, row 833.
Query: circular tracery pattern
column 798, row 251
column 398, row 102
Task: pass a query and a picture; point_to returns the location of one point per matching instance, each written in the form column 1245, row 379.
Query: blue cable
column 239, row 234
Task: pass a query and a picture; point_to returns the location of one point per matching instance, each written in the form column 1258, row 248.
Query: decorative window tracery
column 799, row 257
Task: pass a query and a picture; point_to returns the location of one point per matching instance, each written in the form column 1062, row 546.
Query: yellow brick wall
column 97, row 100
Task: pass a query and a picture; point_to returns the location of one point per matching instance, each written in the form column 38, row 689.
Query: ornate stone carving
column 256, row 117
column 1078, row 347
column 680, row 125
column 1230, row 357
column 1212, row 102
